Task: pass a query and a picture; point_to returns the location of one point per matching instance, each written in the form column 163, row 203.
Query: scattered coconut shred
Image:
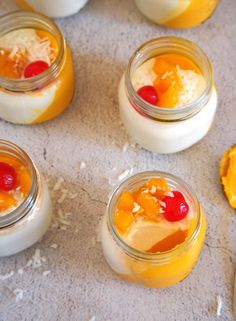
column 219, row 305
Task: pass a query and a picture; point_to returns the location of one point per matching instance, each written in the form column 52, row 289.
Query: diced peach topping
column 169, row 242
column 123, row 220
column 6, row 201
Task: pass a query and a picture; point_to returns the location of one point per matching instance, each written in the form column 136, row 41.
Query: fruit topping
column 169, row 242
column 176, row 208
column 149, row 94
column 228, row 175
column 123, row 220
column 7, row 177
column 35, row 68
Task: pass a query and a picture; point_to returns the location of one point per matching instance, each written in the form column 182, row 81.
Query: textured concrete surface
column 81, row 285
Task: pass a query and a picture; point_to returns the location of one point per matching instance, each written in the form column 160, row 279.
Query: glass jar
column 42, row 97
column 167, row 130
column 177, row 13
column 157, row 270
column 53, row 8
column 27, row 223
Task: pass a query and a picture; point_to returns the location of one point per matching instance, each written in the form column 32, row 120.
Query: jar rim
column 19, row 212
column 177, row 45
column 140, row 255
column 28, row 20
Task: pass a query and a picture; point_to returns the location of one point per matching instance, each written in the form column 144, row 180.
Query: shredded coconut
column 219, row 305
column 82, row 165
column 6, row 276
column 163, row 204
column 73, row 195
column 153, row 189
column 63, row 196
column 36, row 260
column 19, row 294
column 125, row 147
column 27, row 42
column 20, row 271
column 136, row 208
column 170, row 194
column 57, row 186
column 54, row 246
column 193, row 85
column 45, row 273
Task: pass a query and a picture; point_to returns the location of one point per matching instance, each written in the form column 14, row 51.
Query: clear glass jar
column 42, row 97
column 25, row 225
column 53, row 8
column 157, row 270
column 177, row 13
column 167, row 130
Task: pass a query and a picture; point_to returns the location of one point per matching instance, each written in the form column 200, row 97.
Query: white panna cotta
column 168, row 102
column 54, row 8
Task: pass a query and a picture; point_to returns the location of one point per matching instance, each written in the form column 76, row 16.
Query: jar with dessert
column 177, row 13
column 25, row 204
column 167, row 96
column 53, row 8
column 153, row 230
column 36, row 71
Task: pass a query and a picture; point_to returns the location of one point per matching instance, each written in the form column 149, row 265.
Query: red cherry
column 149, row 94
column 35, row 68
column 7, row 177
column 176, row 207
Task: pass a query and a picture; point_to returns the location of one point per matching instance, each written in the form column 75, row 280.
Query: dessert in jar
column 53, row 8
column 177, row 13
column 36, row 72
column 25, row 205
column 153, row 230
column 167, row 96
column 228, row 174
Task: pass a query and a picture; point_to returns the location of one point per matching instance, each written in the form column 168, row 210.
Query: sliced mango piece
column 123, row 220
column 126, row 202
column 228, row 175
column 6, row 201
column 169, row 242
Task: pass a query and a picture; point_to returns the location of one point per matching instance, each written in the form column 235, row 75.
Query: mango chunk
column 126, row 202
column 149, row 205
column 169, row 242
column 6, row 201
column 158, row 186
column 228, row 174
column 123, row 220
column 24, row 181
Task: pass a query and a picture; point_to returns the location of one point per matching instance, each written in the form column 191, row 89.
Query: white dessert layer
column 57, row 8
column 162, row 11
column 25, row 108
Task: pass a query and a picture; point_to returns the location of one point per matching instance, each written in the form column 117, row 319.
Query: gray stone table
column 74, row 282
